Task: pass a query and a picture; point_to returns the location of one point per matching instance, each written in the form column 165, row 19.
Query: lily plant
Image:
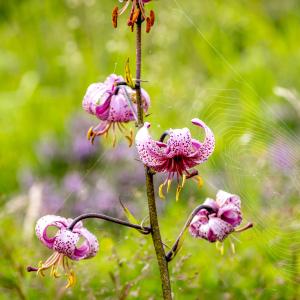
column 117, row 102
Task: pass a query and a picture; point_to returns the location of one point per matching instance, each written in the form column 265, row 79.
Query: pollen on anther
column 115, row 14
column 148, row 25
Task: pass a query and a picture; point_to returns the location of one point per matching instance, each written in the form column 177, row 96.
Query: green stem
column 142, row 229
column 156, row 237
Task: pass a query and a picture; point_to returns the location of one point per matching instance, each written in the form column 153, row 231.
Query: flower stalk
column 142, row 229
column 156, row 237
column 177, row 244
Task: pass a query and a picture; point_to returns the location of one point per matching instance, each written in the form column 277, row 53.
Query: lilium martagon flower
column 178, row 156
column 114, row 105
column 220, row 221
column 137, row 11
column 64, row 244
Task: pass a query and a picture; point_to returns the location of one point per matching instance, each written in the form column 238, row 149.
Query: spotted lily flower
column 137, row 10
column 177, row 156
column 114, row 103
column 224, row 217
column 64, row 243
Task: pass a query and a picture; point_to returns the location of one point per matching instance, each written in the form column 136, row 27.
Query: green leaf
column 130, row 217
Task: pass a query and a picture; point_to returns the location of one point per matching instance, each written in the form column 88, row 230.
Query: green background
column 233, row 64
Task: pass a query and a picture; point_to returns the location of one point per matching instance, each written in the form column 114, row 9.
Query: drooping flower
column 114, row 103
column 178, row 155
column 224, row 217
column 137, row 11
column 64, row 243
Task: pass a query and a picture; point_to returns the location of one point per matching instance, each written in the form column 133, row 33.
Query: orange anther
column 135, row 15
column 152, row 17
column 148, row 25
column 115, row 14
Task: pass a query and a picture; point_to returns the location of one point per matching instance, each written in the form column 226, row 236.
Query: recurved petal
column 179, row 143
column 212, row 203
column 89, row 247
column 151, row 154
column 231, row 214
column 112, row 79
column 65, row 242
column 95, row 95
column 49, row 221
column 215, row 230
column 102, row 111
column 146, row 100
column 120, row 110
column 200, row 219
column 224, row 198
column 202, row 151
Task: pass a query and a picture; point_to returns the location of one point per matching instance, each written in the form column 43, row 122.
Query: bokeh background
column 234, row 64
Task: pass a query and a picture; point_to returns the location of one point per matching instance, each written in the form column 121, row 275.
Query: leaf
column 128, row 77
column 130, row 217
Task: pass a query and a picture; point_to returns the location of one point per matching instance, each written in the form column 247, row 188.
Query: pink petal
column 95, row 95
column 146, row 100
column 231, row 214
column 200, row 219
column 100, row 100
column 43, row 224
column 112, row 79
column 150, row 153
column 65, row 242
column 179, row 143
column 120, row 110
column 102, row 111
column 212, row 203
column 89, row 248
column 215, row 229
column 224, row 198
column 205, row 149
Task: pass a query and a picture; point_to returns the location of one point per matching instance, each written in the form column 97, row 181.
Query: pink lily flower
column 64, row 243
column 177, row 156
column 221, row 221
column 114, row 103
column 137, row 9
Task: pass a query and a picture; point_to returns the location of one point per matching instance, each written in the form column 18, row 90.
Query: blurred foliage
column 233, row 64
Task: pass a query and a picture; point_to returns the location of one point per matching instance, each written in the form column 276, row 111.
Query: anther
column 135, row 16
column 148, row 25
column 152, row 17
column 115, row 14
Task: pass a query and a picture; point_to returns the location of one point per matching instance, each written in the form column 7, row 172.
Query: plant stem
column 142, row 229
column 156, row 237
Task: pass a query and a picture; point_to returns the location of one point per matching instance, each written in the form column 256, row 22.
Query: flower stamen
column 199, row 180
column 137, row 11
column 241, row 229
column 169, row 185
column 220, row 247
column 115, row 14
column 178, row 190
column 160, row 191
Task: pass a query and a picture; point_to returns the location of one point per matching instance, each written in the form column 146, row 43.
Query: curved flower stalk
column 114, row 103
column 177, row 156
column 221, row 220
column 137, row 10
column 64, row 244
